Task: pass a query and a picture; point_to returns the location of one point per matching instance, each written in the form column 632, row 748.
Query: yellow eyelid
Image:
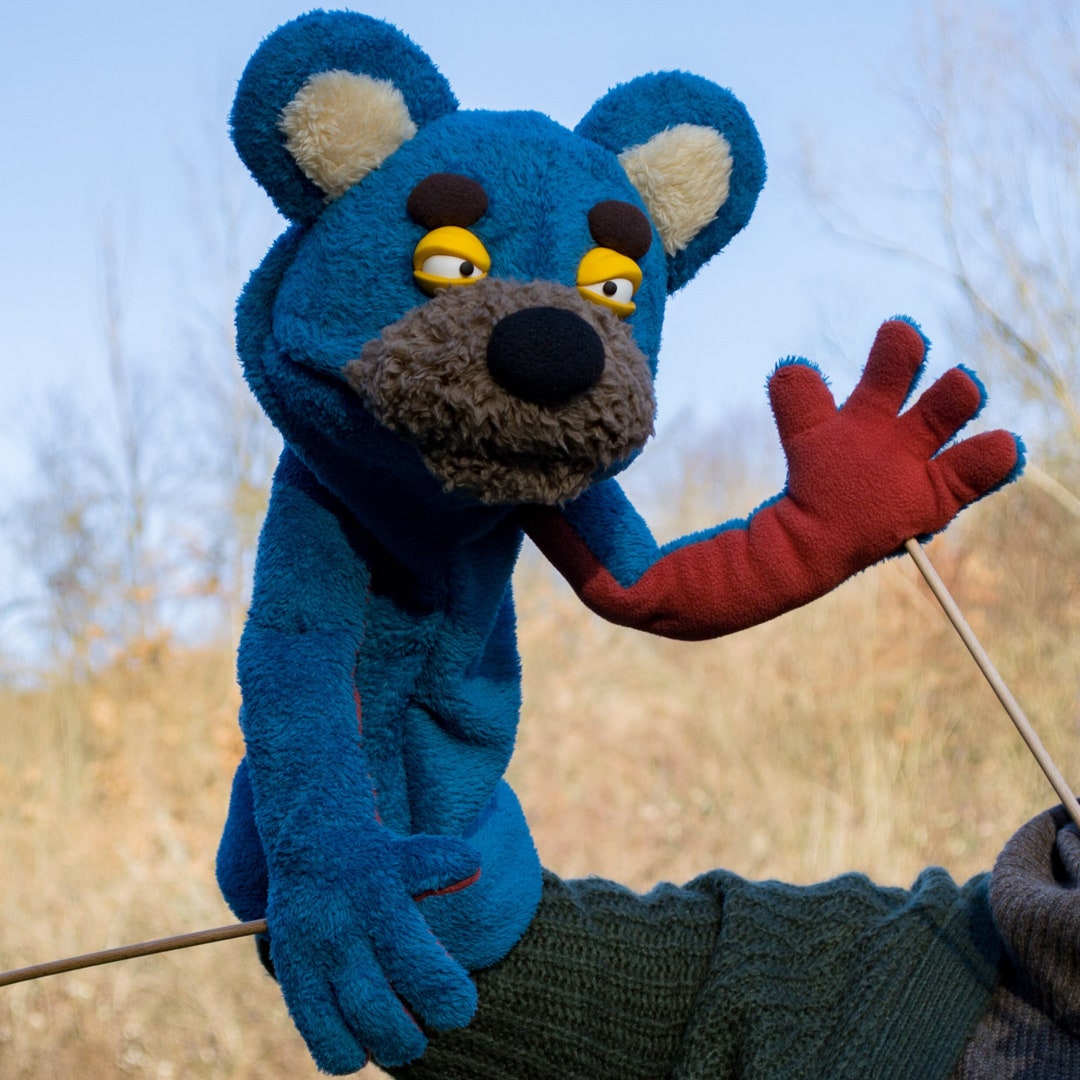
column 603, row 264
column 600, row 265
column 455, row 241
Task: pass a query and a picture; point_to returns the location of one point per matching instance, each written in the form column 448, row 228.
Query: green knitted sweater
column 725, row 978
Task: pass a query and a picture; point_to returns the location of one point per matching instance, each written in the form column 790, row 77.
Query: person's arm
column 729, row 979
column 732, row 979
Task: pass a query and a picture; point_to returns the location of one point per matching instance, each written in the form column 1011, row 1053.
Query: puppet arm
column 350, row 950
column 862, row 479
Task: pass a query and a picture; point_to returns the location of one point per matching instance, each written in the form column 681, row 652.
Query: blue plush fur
column 380, row 677
column 370, row 822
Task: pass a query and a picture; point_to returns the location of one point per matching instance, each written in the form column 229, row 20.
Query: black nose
column 545, row 355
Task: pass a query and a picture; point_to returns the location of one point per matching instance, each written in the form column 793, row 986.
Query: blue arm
column 348, row 944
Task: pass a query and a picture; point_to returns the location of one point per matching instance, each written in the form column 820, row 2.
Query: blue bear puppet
column 457, row 339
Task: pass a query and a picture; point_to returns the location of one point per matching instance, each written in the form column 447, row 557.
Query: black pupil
column 466, row 269
column 610, row 288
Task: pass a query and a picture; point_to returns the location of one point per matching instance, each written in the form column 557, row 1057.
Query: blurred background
column 923, row 158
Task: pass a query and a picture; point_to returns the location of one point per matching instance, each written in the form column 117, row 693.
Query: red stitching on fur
column 360, row 734
column 456, row 887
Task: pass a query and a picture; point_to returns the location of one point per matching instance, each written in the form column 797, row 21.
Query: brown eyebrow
column 446, row 199
column 622, row 227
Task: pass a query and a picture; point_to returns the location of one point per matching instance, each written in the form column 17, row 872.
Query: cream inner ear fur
column 684, row 175
column 341, row 125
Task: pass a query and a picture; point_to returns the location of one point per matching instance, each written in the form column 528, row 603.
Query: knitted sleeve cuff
column 1035, row 900
column 1032, row 1030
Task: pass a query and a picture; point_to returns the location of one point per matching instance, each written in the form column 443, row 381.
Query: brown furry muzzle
column 429, row 376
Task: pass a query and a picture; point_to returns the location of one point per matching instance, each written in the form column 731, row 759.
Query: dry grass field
column 853, row 734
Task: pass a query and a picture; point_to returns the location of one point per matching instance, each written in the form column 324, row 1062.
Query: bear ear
column 691, row 150
column 325, row 99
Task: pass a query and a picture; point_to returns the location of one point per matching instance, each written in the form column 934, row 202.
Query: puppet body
column 457, row 338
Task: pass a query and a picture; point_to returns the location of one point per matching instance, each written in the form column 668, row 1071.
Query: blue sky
column 109, row 101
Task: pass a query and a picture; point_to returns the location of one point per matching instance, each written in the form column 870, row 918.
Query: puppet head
column 467, row 302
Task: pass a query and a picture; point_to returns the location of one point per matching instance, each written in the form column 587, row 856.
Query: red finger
column 973, row 467
column 895, row 360
column 800, row 399
column 943, row 409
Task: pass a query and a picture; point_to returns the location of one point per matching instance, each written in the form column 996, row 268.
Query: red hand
column 862, row 479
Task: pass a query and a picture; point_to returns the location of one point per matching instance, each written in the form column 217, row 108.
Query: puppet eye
column 449, row 255
column 614, row 291
column 606, row 277
column 450, row 266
